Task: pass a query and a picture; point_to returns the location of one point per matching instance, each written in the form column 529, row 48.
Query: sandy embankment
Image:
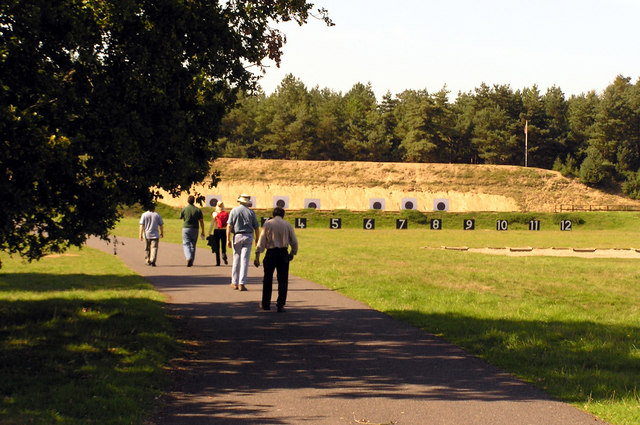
column 552, row 252
column 348, row 197
column 355, row 186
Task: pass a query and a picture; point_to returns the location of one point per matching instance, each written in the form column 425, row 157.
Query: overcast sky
column 425, row 44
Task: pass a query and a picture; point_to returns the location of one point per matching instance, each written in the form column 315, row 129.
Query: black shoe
column 262, row 307
column 281, row 310
column 190, row 263
column 224, row 258
column 243, row 288
column 153, row 264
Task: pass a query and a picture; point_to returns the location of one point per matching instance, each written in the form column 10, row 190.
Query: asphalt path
column 327, row 360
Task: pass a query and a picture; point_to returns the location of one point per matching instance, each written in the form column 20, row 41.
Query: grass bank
column 83, row 341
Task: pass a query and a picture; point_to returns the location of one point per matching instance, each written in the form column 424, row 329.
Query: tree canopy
column 595, row 137
column 102, row 100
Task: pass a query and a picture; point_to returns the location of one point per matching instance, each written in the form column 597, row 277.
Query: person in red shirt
column 218, row 233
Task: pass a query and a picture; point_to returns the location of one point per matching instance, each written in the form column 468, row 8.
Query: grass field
column 83, row 341
column 570, row 326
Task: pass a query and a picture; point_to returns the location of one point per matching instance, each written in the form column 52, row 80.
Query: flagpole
column 526, row 142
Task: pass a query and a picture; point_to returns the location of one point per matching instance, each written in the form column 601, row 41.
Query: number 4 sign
column 301, row 223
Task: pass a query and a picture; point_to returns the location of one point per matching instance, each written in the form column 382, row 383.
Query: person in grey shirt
column 151, row 230
column 243, row 223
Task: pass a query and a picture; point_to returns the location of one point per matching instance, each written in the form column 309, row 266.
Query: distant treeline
column 595, row 137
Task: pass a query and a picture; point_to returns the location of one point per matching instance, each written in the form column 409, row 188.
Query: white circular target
column 312, row 203
column 376, row 204
column 441, row 205
column 281, row 202
column 409, row 204
column 212, row 200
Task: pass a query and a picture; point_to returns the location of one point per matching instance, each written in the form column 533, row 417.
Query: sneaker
column 243, row 288
column 234, row 286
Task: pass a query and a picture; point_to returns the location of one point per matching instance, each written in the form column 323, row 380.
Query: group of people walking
column 239, row 230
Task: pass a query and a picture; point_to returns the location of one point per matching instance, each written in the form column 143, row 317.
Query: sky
column 397, row 45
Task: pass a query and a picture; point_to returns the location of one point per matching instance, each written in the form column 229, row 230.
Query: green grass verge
column 570, row 326
column 83, row 341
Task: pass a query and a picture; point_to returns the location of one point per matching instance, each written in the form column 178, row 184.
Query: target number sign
column 402, row 223
column 469, row 224
column 534, row 225
column 369, row 224
column 566, row 225
column 301, row 223
column 502, row 225
column 335, row 223
column 436, row 224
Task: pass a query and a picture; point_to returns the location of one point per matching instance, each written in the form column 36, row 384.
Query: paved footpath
column 328, row 360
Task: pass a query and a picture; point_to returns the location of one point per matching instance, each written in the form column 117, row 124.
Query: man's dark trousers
column 276, row 259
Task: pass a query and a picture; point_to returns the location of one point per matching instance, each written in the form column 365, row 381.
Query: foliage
column 568, row 168
column 596, row 170
column 101, row 101
column 631, row 185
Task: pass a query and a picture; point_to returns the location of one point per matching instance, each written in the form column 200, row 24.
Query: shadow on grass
column 43, row 282
column 73, row 360
column 573, row 361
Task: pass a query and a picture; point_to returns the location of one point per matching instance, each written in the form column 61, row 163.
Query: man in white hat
column 243, row 223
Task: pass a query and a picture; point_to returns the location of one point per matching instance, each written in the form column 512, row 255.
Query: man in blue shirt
column 243, row 223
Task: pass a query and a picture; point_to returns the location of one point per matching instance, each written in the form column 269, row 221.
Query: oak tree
column 102, row 100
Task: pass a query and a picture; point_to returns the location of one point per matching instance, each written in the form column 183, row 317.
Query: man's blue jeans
column 189, row 240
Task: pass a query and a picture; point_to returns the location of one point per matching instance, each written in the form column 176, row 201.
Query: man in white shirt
column 151, row 230
column 276, row 237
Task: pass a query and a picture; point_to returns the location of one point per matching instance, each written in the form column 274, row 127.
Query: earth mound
column 353, row 186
